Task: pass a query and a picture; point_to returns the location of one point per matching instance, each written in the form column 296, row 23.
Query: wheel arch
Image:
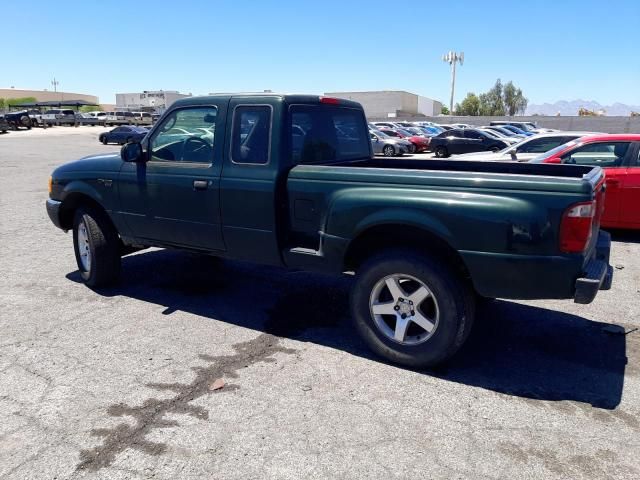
column 382, row 237
column 75, row 200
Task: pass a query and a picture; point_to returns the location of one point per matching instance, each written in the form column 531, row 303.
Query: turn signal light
column 577, row 227
column 50, row 184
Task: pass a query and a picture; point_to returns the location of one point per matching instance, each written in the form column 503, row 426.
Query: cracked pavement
column 117, row 384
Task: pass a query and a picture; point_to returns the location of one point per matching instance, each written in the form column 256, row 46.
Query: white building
column 392, row 103
column 149, row 100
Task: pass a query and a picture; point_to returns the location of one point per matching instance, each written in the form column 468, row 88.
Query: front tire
column 97, row 247
column 442, row 152
column 104, row 140
column 411, row 309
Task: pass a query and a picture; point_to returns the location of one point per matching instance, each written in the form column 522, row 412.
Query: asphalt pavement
column 194, row 367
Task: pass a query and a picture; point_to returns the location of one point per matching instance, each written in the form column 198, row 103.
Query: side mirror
column 132, row 152
column 513, row 155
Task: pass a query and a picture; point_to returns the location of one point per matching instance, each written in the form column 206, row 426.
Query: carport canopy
column 59, row 104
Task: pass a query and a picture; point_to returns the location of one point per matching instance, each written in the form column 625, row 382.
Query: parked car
column 123, row 134
column 619, row 156
column 525, row 126
column 465, row 140
column 526, row 149
column 509, row 139
column 385, row 125
column 517, row 130
column 382, row 143
column 114, row 118
column 418, row 143
column 4, row 125
column 142, row 118
column 506, row 131
column 19, row 119
column 424, row 238
column 59, row 116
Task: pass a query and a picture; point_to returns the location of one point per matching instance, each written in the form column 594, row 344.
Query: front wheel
column 412, row 148
column 97, row 247
column 389, row 151
column 442, row 152
column 411, row 309
column 104, row 140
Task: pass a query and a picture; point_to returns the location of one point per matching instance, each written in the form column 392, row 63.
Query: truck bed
column 459, row 174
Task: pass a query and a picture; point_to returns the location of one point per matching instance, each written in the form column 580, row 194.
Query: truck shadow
column 514, row 349
column 627, row 236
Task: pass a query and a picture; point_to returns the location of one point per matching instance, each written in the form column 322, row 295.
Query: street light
column 451, row 58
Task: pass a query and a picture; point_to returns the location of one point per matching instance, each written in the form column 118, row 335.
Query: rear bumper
column 598, row 274
column 53, row 210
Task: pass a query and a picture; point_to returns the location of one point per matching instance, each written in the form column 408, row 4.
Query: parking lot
column 125, row 383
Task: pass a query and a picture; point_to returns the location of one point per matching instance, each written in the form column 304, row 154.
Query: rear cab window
column 251, row 134
column 323, row 133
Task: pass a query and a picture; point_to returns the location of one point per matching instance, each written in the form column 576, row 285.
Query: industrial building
column 148, row 100
column 46, row 95
column 392, row 103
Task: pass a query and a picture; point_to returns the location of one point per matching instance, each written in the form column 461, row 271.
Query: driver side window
column 602, row 154
column 186, row 135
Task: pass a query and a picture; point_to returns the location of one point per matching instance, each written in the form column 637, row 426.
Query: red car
column 420, row 144
column 618, row 155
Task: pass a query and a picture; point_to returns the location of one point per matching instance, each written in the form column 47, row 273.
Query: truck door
column 174, row 198
column 249, row 186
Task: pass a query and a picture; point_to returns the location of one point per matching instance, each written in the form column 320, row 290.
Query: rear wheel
column 442, row 152
column 97, row 247
column 389, row 151
column 411, row 309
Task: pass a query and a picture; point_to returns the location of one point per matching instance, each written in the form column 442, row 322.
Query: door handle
column 200, row 184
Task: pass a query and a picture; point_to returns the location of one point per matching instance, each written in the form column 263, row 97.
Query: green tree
column 469, row 106
column 445, row 110
column 17, row 101
column 514, row 100
column 90, row 108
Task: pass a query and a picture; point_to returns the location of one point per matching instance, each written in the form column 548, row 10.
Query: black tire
column 103, row 139
column 412, row 148
column 389, row 151
column 104, row 246
column 455, row 304
column 441, row 152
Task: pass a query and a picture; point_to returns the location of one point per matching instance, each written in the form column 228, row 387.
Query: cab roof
column 262, row 96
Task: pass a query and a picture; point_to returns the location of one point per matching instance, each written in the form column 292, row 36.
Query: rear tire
column 97, row 247
column 442, row 152
column 389, row 151
column 448, row 308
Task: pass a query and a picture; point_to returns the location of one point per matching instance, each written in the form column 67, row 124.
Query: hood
column 107, row 162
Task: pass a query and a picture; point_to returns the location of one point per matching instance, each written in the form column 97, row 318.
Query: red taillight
column 330, row 100
column 577, row 227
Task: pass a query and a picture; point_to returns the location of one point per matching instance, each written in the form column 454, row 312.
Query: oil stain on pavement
column 152, row 413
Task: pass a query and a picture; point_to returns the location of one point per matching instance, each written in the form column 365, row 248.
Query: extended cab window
column 329, row 134
column 185, row 135
column 251, row 134
column 602, row 154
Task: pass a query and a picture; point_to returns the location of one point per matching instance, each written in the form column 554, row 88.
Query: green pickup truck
column 290, row 180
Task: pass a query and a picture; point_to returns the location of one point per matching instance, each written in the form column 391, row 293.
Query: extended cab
column 290, row 180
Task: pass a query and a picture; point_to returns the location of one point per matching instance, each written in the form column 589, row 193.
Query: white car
column 525, row 150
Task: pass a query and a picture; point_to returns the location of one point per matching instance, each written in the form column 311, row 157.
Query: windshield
column 332, row 134
column 553, row 151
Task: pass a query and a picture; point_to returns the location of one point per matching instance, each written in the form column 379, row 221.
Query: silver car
column 386, row 145
column 527, row 149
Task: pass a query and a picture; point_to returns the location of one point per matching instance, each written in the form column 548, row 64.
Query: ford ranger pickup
column 290, row 180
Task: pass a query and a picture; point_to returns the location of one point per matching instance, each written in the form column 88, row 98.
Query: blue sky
column 553, row 50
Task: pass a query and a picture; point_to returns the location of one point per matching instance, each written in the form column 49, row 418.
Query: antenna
column 451, row 58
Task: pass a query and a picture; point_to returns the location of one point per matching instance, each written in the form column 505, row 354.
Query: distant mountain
column 571, row 108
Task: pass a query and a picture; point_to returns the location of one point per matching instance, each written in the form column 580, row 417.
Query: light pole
column 451, row 58
column 55, row 84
